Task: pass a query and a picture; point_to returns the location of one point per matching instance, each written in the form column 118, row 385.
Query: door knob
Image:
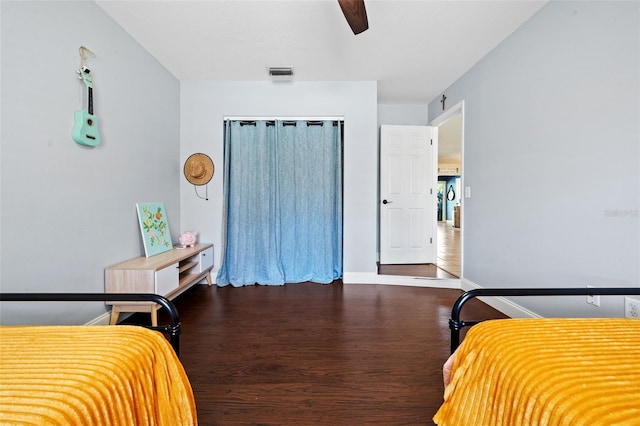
column 386, row 202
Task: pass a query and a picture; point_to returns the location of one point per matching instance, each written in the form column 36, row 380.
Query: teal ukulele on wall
column 85, row 126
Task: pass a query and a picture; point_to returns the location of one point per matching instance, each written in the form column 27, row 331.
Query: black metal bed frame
column 173, row 330
column 456, row 324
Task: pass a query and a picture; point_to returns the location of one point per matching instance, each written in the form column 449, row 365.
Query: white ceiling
column 413, row 48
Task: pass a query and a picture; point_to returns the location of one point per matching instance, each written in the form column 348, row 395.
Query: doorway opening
column 450, row 189
column 448, row 239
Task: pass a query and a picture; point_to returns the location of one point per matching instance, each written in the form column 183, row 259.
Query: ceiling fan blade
column 356, row 14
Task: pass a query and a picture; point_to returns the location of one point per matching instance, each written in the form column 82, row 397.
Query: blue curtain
column 282, row 203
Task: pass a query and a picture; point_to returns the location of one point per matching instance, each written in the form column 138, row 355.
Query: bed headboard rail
column 456, row 324
column 173, row 329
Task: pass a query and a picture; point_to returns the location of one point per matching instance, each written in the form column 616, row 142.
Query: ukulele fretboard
column 90, row 100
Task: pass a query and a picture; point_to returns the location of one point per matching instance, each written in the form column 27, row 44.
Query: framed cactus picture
column 154, row 228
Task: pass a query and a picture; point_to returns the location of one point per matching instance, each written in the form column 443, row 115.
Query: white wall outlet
column 631, row 308
column 592, row 299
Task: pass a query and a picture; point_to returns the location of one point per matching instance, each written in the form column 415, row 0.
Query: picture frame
column 154, row 228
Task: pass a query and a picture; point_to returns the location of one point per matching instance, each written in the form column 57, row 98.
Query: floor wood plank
column 316, row 354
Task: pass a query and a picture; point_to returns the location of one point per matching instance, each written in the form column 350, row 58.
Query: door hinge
column 431, row 240
column 431, row 191
column 432, row 142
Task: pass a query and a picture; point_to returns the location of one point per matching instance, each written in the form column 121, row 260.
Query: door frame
column 436, row 122
column 435, row 282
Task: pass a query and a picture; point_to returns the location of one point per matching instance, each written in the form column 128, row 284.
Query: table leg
column 154, row 317
column 115, row 313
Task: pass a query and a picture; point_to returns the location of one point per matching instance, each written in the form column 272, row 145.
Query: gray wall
column 69, row 211
column 204, row 104
column 552, row 156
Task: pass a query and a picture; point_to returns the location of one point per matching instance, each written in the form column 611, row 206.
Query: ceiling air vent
column 280, row 71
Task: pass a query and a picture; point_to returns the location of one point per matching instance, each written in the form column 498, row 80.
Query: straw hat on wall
column 198, row 169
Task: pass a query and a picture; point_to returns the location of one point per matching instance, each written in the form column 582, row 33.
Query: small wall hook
column 85, row 52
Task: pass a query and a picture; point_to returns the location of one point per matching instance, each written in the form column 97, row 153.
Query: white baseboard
column 373, row 278
column 103, row 319
column 502, row 304
column 418, row 281
column 359, row 277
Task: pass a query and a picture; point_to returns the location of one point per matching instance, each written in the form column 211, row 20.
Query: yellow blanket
column 91, row 375
column 546, row 372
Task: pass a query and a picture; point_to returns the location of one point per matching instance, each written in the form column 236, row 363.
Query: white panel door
column 407, row 194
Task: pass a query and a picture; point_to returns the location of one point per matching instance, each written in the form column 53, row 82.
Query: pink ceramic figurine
column 187, row 239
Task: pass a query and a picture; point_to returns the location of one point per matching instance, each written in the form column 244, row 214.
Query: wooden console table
column 167, row 274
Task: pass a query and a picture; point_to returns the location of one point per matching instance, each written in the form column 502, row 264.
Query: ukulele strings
column 85, row 53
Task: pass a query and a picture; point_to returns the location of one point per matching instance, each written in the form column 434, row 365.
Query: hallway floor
column 449, row 248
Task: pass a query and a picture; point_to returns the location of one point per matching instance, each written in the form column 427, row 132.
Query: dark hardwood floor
column 314, row 354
